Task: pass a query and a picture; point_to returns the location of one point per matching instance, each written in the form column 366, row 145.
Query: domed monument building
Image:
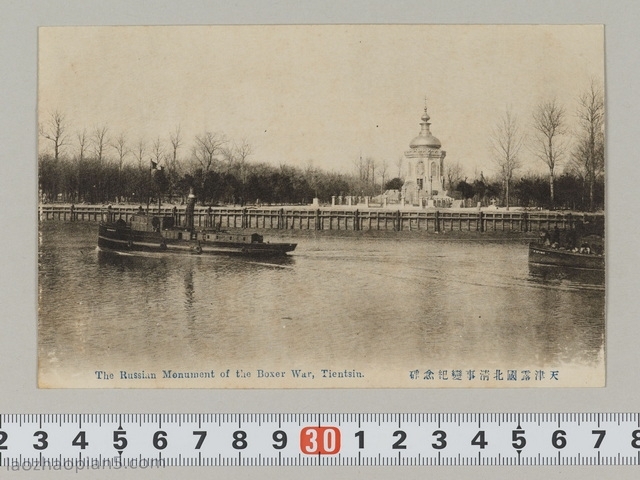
column 424, row 182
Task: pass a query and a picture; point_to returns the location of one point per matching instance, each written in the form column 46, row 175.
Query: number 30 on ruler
column 320, row 440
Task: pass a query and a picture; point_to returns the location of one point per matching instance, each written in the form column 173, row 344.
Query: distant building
column 424, row 183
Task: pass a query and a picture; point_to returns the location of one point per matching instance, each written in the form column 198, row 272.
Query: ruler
column 84, row 441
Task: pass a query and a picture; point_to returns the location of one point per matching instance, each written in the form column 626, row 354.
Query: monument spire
column 425, row 130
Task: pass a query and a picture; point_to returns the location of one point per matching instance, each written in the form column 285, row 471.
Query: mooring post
column 481, row 219
column 356, row 220
column 437, row 221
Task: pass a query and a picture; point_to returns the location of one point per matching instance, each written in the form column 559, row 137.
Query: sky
column 316, row 94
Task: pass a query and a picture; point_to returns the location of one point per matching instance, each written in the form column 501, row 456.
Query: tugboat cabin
column 165, row 225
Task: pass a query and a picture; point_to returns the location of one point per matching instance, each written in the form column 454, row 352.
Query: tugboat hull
column 122, row 238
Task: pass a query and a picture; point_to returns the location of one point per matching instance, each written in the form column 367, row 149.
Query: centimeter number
column 324, row 439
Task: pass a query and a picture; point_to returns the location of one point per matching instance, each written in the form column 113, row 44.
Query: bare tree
column 176, row 142
column 361, row 168
column 54, row 130
column 506, row 141
column 237, row 156
column 549, row 126
column 82, row 143
column 157, row 152
column 141, row 149
column 384, row 166
column 455, row 173
column 242, row 151
column 311, row 175
column 400, row 165
column 588, row 155
column 207, row 147
column 240, row 154
column 371, row 166
column 100, row 141
column 120, row 146
column 173, row 161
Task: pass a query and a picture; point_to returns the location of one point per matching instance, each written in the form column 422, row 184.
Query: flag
column 155, row 167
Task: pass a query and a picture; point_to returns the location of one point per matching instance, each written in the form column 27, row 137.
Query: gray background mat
column 18, row 184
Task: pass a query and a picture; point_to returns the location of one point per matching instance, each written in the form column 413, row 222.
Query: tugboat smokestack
column 191, row 204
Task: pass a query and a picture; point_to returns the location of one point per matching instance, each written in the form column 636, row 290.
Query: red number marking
column 320, row 440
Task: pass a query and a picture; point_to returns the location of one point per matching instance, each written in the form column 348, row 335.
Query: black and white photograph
column 321, row 206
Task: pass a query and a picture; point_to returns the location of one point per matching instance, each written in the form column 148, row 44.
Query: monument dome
column 425, row 138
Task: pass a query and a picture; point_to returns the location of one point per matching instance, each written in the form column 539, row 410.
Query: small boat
column 546, row 255
column 159, row 233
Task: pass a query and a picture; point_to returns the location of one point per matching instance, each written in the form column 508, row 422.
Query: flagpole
column 151, row 170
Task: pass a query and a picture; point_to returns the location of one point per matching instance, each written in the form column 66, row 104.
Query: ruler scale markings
column 456, row 446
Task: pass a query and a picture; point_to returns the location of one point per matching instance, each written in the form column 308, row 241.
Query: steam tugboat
column 159, row 233
column 547, row 255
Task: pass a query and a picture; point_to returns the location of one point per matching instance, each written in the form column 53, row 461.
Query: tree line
column 581, row 152
column 98, row 167
column 532, row 191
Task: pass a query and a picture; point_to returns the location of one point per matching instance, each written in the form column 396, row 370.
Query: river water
column 381, row 306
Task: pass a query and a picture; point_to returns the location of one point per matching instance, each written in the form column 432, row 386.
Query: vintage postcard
column 330, row 206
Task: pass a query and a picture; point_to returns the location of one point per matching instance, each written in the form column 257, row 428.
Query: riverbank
column 434, row 221
column 296, row 236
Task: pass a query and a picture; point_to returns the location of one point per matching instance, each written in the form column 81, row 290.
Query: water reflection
column 142, row 262
column 556, row 275
column 382, row 303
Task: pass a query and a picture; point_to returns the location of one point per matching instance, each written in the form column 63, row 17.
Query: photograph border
column 18, row 291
